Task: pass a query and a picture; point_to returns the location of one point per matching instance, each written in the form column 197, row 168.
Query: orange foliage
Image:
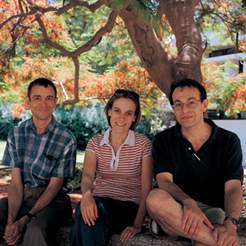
column 17, row 110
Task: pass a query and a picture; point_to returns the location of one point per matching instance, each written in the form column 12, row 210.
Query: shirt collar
column 49, row 128
column 130, row 140
column 177, row 129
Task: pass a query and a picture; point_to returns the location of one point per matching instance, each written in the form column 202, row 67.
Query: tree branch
column 98, row 35
column 47, row 39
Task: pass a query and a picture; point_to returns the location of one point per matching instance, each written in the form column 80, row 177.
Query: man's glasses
column 126, row 93
column 190, row 104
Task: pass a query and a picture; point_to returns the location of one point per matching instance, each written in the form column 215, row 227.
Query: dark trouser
column 114, row 217
column 41, row 228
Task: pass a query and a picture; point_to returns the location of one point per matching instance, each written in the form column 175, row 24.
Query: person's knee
column 156, row 200
column 35, row 228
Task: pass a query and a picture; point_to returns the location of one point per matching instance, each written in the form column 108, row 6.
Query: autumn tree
column 46, row 22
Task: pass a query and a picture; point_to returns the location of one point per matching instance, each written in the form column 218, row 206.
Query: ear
column 109, row 112
column 205, row 105
column 27, row 103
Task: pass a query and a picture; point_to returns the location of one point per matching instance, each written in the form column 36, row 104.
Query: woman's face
column 122, row 114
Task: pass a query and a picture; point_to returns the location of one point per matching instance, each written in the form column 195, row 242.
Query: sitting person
column 198, row 168
column 42, row 154
column 117, row 175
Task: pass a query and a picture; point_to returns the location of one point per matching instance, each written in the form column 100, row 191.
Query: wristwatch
column 29, row 215
column 233, row 220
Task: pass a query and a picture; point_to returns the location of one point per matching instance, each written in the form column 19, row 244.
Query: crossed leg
column 168, row 213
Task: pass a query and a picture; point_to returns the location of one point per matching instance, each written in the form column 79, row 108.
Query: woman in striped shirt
column 117, row 175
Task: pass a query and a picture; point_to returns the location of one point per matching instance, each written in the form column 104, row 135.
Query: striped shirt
column 118, row 175
column 41, row 156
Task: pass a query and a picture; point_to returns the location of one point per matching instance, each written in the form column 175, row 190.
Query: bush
column 82, row 122
column 7, row 122
column 86, row 122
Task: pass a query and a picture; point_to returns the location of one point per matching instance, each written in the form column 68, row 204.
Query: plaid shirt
column 41, row 156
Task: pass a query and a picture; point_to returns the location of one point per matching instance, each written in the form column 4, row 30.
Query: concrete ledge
column 145, row 239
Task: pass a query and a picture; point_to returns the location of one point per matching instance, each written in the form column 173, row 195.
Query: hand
column 193, row 218
column 14, row 230
column 226, row 235
column 129, row 232
column 88, row 209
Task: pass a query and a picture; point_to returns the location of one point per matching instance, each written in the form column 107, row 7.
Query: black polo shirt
column 200, row 174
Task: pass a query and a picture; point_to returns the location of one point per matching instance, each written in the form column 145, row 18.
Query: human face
column 188, row 107
column 42, row 102
column 122, row 114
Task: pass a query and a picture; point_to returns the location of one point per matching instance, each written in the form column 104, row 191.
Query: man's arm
column 48, row 195
column 193, row 217
column 233, row 198
column 15, row 194
column 227, row 234
column 15, row 198
column 165, row 182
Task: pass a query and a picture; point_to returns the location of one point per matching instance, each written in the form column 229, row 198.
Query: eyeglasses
column 39, row 99
column 126, row 93
column 190, row 104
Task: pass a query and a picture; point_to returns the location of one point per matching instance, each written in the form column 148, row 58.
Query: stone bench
column 145, row 239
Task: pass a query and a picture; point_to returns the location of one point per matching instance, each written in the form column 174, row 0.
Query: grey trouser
column 41, row 228
column 215, row 215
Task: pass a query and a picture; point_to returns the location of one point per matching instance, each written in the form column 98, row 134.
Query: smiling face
column 122, row 114
column 42, row 102
column 188, row 107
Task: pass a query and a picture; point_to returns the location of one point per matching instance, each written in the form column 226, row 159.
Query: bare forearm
column 15, row 198
column 47, row 196
column 233, row 202
column 174, row 190
column 86, row 184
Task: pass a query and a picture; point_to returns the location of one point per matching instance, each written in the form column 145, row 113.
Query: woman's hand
column 129, row 232
column 88, row 209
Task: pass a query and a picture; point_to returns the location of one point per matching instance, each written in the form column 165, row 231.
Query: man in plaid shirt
column 42, row 154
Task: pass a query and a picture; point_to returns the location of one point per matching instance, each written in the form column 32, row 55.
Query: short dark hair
column 188, row 83
column 41, row 82
column 122, row 93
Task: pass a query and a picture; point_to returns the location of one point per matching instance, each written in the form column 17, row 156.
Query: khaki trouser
column 41, row 228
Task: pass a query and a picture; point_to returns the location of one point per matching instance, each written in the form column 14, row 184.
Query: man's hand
column 14, row 230
column 88, row 209
column 129, row 232
column 193, row 218
column 226, row 235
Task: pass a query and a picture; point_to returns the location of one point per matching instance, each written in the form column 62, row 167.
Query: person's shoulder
column 21, row 126
column 64, row 131
column 141, row 139
column 165, row 133
column 141, row 136
column 97, row 138
column 226, row 134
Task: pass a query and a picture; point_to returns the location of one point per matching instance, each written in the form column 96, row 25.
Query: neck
column 41, row 125
column 197, row 135
column 117, row 139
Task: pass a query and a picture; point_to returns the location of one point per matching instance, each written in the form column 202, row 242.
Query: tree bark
column 159, row 65
column 162, row 68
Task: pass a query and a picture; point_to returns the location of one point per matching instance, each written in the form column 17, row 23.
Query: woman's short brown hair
column 122, row 93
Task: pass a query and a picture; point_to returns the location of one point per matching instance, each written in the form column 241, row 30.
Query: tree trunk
column 162, row 68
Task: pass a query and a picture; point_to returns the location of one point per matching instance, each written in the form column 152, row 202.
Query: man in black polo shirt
column 198, row 168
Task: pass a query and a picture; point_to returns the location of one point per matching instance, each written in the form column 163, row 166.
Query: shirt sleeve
column 161, row 155
column 147, row 147
column 11, row 156
column 234, row 169
column 91, row 146
column 67, row 161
